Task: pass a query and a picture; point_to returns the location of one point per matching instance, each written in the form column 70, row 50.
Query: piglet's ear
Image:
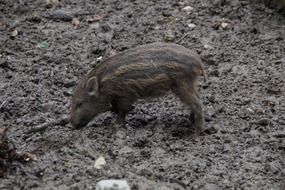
column 92, row 86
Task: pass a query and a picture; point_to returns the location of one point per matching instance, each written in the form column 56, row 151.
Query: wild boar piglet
column 145, row 71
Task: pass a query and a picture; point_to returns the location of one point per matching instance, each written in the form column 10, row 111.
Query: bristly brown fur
column 145, row 71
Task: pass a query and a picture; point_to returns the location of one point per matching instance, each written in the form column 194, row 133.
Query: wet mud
column 45, row 50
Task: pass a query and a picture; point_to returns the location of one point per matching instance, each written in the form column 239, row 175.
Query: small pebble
column 95, row 25
column 188, row 9
column 249, row 110
column 14, row 33
column 157, row 27
column 112, row 184
column 207, row 46
column 263, row 121
column 100, row 162
column 191, row 25
column 99, row 58
column 225, row 25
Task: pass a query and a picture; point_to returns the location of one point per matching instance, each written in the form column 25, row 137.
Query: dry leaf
column 75, row 22
column 100, row 162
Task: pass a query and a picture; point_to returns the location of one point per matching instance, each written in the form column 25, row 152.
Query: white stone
column 191, row 25
column 188, row 9
column 113, row 184
column 100, row 162
column 95, row 25
column 207, row 46
column 14, row 33
column 157, row 27
column 224, row 25
column 249, row 110
column 99, row 58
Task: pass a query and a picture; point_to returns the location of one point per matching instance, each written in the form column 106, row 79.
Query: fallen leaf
column 100, row 162
column 75, row 22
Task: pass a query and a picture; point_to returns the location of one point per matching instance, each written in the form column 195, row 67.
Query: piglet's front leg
column 121, row 106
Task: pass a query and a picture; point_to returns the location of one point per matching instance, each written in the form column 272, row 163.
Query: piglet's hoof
column 210, row 130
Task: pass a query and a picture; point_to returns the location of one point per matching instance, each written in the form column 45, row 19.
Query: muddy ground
column 42, row 58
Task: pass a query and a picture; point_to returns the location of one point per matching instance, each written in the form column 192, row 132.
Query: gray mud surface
column 43, row 56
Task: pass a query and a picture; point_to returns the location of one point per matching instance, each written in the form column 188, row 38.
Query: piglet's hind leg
column 189, row 95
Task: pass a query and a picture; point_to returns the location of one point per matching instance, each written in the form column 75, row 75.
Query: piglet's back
column 149, row 60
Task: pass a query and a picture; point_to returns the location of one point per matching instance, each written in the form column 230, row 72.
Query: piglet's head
column 87, row 102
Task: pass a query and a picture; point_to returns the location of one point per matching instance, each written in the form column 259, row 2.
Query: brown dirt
column 40, row 64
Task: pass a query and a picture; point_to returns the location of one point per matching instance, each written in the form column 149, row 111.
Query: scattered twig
column 43, row 127
column 4, row 102
column 182, row 38
column 66, row 15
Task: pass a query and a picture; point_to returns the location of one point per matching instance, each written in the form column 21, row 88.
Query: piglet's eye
column 78, row 105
